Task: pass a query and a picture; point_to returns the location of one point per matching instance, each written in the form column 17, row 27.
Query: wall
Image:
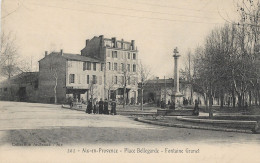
column 47, row 81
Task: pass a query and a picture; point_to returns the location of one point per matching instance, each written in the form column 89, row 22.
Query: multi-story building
column 72, row 74
column 120, row 60
column 105, row 69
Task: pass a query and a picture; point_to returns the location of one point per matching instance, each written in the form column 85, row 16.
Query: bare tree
column 144, row 73
column 8, row 56
column 92, row 89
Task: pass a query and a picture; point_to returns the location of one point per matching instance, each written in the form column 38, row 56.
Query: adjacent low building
column 22, row 87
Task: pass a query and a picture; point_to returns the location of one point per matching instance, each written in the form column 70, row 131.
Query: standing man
column 89, row 107
column 106, row 107
column 113, row 107
column 196, row 108
column 101, row 106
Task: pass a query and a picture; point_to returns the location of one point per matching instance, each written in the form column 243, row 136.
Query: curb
column 190, row 126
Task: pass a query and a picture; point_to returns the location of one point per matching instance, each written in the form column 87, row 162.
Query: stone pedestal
column 177, row 98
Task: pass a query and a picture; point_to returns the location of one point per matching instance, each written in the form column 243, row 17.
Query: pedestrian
column 196, row 108
column 89, row 107
column 162, row 103
column 106, row 111
column 94, row 107
column 97, row 107
column 70, row 100
column 101, row 106
column 113, row 107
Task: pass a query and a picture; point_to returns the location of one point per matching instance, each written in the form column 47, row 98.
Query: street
column 46, row 123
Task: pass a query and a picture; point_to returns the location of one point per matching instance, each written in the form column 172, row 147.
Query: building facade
column 73, row 76
column 120, row 63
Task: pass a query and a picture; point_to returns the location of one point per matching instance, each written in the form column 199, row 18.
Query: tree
column 92, row 89
column 127, row 78
column 144, row 73
column 10, row 62
column 8, row 56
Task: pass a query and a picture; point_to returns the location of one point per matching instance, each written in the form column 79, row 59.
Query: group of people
column 101, row 107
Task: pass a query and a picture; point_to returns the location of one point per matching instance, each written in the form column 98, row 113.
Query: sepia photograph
column 130, row 81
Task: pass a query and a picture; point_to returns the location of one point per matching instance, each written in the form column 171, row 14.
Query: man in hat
column 113, row 107
column 106, row 107
column 101, row 106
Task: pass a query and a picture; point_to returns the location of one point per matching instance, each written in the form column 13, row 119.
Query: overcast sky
column 158, row 26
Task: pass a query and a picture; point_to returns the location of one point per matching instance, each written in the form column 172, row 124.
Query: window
column 129, row 80
column 101, row 66
column 94, row 66
column 100, row 80
column 94, row 79
column 134, row 68
column 134, row 80
column 128, row 67
column 129, row 55
column 134, row 56
column 115, row 66
column 122, row 80
column 5, row 89
column 115, row 79
column 72, row 78
column 108, row 53
column 84, row 66
column 88, row 65
column 109, row 66
column 114, row 54
column 122, row 66
column 87, row 79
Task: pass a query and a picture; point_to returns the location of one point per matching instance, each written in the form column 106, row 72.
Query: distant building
column 163, row 89
column 22, row 87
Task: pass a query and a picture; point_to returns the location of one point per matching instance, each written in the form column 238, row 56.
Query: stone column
column 176, row 95
column 176, row 74
column 176, row 71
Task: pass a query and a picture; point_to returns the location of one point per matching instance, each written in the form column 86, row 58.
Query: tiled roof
column 22, row 78
column 77, row 57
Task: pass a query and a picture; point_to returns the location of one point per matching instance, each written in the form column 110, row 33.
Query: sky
column 157, row 26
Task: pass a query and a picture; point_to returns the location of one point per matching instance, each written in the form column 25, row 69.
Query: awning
column 73, row 90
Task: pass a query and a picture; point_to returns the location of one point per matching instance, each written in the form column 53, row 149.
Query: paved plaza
column 46, row 123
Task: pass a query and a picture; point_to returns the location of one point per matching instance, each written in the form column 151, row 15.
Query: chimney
column 61, row 52
column 122, row 43
column 87, row 41
column 133, row 44
column 114, row 41
column 101, row 40
column 46, row 53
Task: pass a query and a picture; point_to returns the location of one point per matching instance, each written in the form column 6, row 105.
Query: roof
column 162, row 81
column 75, row 57
column 78, row 57
column 24, row 77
